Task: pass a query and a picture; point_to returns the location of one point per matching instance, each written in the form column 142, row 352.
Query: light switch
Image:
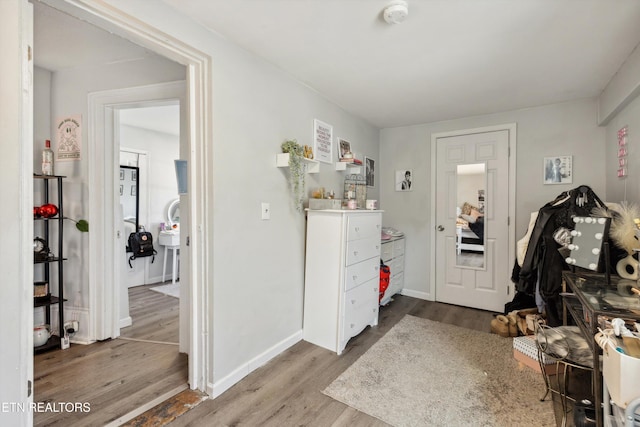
column 266, row 211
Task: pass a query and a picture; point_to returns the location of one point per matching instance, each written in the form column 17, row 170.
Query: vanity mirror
column 588, row 242
column 471, row 185
column 173, row 214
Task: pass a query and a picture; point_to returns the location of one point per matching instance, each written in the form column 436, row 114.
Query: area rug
column 173, row 290
column 426, row 373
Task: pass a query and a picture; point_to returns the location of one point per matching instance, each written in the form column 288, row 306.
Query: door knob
column 440, row 228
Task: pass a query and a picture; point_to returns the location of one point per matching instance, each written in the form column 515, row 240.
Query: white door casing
column 487, row 288
column 16, row 196
column 196, row 228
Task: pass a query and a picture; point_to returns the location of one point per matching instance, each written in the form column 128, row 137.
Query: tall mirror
column 129, row 198
column 470, row 209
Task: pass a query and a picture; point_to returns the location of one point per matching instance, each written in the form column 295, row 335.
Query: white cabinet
column 342, row 275
column 393, row 256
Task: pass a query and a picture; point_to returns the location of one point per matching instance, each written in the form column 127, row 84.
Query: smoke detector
column 396, row 12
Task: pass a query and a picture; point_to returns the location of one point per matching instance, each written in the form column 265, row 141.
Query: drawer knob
column 355, row 253
column 357, row 229
column 353, row 301
column 352, row 325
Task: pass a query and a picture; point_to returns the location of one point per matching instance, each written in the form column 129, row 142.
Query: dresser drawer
column 361, row 272
column 360, row 250
column 360, row 308
column 386, row 252
column 397, row 266
column 398, row 248
column 363, row 226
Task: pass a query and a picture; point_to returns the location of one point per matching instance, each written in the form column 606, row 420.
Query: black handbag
column 141, row 245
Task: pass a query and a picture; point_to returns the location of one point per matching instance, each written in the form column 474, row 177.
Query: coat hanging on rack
column 542, row 268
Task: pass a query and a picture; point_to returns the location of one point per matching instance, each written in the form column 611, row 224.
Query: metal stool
column 567, row 347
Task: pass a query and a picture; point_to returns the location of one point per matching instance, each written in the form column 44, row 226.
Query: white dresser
column 342, row 275
column 393, row 256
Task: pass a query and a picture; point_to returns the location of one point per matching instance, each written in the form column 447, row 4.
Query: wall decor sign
column 622, row 152
column 558, row 170
column 322, row 141
column 69, row 137
column 404, row 180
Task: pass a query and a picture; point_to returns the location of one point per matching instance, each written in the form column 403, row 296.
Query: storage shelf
column 52, row 343
column 282, row 161
column 43, row 266
column 351, row 167
column 45, row 302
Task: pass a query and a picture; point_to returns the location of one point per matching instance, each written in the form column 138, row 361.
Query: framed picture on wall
column 345, row 147
column 370, row 171
column 558, row 170
column 404, row 180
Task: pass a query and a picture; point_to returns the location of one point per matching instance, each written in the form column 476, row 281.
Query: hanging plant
column 297, row 170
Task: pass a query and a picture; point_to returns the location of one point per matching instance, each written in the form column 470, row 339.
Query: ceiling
column 449, row 59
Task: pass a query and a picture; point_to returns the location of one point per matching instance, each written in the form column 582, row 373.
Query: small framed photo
column 345, row 147
column 404, row 180
column 134, row 175
column 121, row 188
column 121, row 176
column 370, row 171
column 558, row 170
column 133, row 190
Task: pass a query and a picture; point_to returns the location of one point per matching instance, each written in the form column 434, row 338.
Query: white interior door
column 16, row 197
column 484, row 285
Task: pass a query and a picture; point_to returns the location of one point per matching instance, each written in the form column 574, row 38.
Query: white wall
column 628, row 188
column 560, row 129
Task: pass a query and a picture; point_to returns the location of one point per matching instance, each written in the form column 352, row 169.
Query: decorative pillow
column 476, row 213
column 466, row 208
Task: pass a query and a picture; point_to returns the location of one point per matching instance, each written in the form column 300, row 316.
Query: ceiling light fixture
column 396, row 12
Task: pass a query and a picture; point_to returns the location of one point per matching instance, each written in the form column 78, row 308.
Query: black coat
column 543, row 263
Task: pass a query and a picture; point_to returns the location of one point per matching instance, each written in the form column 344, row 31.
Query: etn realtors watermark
column 54, row 407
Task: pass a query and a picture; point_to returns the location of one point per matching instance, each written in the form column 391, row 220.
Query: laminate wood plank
column 114, row 376
column 287, row 391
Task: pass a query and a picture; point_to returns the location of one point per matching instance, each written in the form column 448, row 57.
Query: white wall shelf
column 351, row 167
column 282, row 161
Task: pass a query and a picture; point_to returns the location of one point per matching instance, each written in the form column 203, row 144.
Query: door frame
column 198, row 154
column 511, row 128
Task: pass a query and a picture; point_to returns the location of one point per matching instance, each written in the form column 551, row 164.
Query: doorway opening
column 102, row 321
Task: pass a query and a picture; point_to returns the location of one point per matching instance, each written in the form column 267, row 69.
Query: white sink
column 169, row 238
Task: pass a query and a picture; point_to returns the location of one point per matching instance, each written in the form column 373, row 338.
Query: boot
column 513, row 324
column 500, row 326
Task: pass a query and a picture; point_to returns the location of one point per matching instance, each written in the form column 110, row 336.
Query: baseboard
column 127, row 321
column 80, row 314
column 416, row 294
column 218, row 387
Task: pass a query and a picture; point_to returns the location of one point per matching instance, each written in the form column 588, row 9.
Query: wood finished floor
column 288, row 390
column 114, row 376
column 117, row 376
